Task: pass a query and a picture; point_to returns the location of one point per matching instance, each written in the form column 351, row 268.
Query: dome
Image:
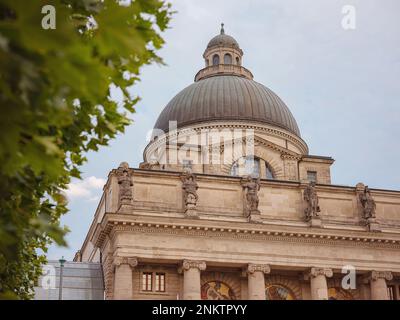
column 223, row 40
column 227, row 97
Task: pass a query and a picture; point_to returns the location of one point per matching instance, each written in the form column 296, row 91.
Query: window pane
column 312, row 176
column 146, row 281
column 160, row 282
column 215, row 60
column 227, row 59
column 268, row 172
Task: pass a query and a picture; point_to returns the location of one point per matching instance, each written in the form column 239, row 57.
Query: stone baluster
column 191, row 279
column 256, row 280
column 123, row 279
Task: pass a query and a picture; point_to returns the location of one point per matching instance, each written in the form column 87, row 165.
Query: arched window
column 227, row 58
column 215, row 60
column 238, row 61
column 246, row 166
column 268, row 171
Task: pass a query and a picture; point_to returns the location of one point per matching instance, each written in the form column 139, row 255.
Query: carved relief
column 132, row 262
column 190, row 197
column 290, row 166
column 310, row 196
column 387, row 275
column 251, row 186
column 189, row 264
column 264, row 268
column 315, row 272
column 125, row 184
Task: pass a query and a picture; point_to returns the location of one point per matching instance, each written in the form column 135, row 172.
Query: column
column 378, row 284
column 123, row 281
column 191, row 279
column 256, row 280
column 319, row 286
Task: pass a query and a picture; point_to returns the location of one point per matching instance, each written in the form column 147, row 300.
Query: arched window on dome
column 238, row 61
column 268, row 171
column 245, row 166
column 215, row 60
column 227, row 58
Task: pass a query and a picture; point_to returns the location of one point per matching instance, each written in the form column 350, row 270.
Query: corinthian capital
column 314, row 272
column 189, row 264
column 131, row 261
column 264, row 268
column 387, row 275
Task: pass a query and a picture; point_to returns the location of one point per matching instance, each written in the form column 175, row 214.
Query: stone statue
column 190, row 197
column 251, row 187
column 125, row 184
column 368, row 204
column 311, row 198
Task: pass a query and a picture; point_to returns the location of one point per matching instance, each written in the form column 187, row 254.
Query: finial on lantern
column 222, row 28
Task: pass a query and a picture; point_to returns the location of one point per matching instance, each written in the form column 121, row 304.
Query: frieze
column 248, row 234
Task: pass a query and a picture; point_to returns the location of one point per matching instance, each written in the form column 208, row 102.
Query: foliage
column 55, row 106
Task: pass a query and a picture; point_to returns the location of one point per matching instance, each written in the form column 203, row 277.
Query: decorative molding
column 131, row 261
column 264, row 268
column 375, row 275
column 315, row 272
column 189, row 264
column 252, row 234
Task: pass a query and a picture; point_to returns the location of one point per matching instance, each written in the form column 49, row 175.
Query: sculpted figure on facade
column 190, row 197
column 310, row 196
column 124, row 177
column 368, row 204
column 251, row 187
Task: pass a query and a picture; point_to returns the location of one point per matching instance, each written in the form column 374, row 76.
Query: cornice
column 259, row 232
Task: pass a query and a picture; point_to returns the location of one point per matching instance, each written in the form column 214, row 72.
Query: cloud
column 86, row 189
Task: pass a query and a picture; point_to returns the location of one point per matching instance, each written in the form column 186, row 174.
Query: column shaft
column 379, row 289
column 319, row 288
column 256, row 286
column 123, row 285
column 191, row 284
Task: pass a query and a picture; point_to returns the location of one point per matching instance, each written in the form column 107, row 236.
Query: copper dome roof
column 227, row 97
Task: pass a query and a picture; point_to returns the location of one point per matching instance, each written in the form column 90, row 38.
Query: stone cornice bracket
column 315, row 272
column 264, row 268
column 189, row 264
column 131, row 261
column 375, row 275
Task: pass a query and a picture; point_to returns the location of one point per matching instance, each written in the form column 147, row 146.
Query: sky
column 342, row 86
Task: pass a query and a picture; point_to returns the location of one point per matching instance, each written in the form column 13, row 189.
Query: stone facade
column 179, row 228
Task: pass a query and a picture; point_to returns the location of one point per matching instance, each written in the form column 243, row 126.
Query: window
column 246, row 166
column 147, row 281
column 215, row 60
column 268, row 171
column 238, row 61
column 160, row 282
column 187, row 164
column 312, row 176
column 227, row 58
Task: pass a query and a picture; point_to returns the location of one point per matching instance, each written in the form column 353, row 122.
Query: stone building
column 229, row 204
